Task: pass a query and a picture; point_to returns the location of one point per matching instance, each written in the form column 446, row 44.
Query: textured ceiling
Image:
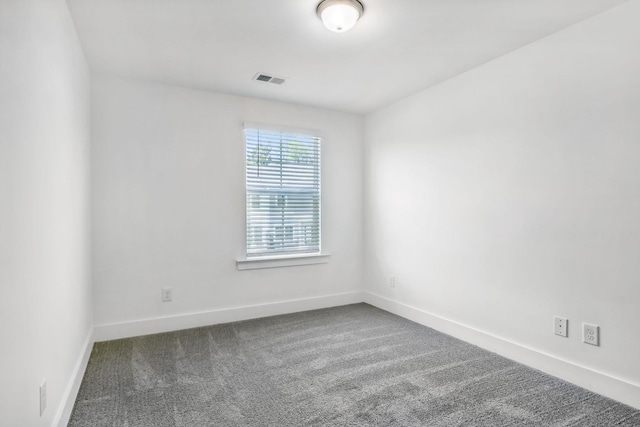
column 398, row 48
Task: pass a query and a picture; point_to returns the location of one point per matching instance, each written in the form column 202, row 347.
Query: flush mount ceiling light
column 339, row 15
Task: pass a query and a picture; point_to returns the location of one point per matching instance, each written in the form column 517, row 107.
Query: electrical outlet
column 43, row 397
column 561, row 326
column 392, row 281
column 591, row 334
column 167, row 294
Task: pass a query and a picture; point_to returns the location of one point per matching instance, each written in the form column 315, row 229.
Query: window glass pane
column 283, row 193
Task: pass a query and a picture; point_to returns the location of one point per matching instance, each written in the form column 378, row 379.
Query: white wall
column 45, row 303
column 511, row 194
column 168, row 203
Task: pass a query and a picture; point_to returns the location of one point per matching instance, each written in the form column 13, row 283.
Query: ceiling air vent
column 269, row 79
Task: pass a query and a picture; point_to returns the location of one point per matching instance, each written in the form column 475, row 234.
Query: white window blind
column 283, row 193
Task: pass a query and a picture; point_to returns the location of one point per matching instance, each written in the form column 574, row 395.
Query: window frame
column 252, row 261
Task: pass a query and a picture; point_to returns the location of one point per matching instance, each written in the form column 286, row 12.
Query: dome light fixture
column 339, row 15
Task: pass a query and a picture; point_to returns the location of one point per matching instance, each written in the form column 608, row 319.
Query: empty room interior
column 304, row 212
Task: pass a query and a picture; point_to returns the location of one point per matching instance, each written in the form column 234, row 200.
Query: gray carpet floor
column 346, row 366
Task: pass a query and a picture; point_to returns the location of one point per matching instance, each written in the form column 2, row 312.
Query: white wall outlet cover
column 167, row 294
column 561, row 326
column 43, row 397
column 591, row 334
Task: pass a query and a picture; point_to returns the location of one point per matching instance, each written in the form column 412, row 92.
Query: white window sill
column 281, row 261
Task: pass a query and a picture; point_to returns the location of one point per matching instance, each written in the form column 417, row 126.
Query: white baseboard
column 63, row 413
column 156, row 325
column 598, row 382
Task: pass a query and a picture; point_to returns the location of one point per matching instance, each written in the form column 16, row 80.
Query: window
column 282, row 193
